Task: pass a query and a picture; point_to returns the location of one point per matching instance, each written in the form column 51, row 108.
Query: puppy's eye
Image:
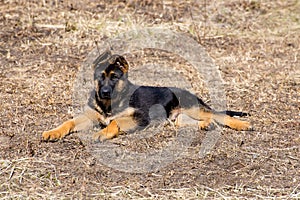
column 100, row 76
column 114, row 77
column 103, row 76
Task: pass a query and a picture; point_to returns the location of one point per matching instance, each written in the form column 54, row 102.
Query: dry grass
column 254, row 43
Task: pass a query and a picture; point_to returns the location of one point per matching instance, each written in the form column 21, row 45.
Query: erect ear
column 123, row 64
column 105, row 56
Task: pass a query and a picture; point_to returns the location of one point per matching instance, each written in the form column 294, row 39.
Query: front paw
column 51, row 135
column 111, row 131
column 100, row 136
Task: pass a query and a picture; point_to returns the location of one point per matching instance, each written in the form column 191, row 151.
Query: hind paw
column 206, row 125
column 52, row 135
column 243, row 126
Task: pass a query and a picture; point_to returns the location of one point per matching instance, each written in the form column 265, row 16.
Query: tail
column 226, row 118
column 234, row 113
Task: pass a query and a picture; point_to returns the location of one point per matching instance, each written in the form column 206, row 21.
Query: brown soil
column 256, row 46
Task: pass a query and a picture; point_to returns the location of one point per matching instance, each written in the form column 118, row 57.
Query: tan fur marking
column 95, row 116
column 111, row 131
column 104, row 72
column 206, row 117
column 182, row 120
column 128, row 112
column 111, row 73
column 96, row 85
column 116, row 127
column 232, row 122
column 126, row 123
column 204, row 124
column 124, row 64
column 80, row 122
column 198, row 113
column 60, row 131
column 236, row 123
column 120, row 85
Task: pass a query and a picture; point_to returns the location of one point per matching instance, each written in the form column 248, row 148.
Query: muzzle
column 106, row 92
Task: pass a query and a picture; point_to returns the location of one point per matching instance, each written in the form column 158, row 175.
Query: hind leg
column 237, row 124
column 206, row 118
column 192, row 116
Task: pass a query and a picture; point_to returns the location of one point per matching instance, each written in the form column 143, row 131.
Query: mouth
column 100, row 96
column 105, row 96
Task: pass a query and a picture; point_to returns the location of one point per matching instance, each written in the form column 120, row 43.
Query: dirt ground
column 255, row 44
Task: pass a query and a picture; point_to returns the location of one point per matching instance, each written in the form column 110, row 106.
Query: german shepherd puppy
column 120, row 106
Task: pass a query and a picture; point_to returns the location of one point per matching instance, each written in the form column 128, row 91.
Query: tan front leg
column 115, row 128
column 81, row 122
column 60, row 131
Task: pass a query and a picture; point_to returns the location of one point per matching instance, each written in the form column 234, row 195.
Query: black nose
column 106, row 92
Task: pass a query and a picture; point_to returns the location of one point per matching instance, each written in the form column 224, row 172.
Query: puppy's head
column 110, row 75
